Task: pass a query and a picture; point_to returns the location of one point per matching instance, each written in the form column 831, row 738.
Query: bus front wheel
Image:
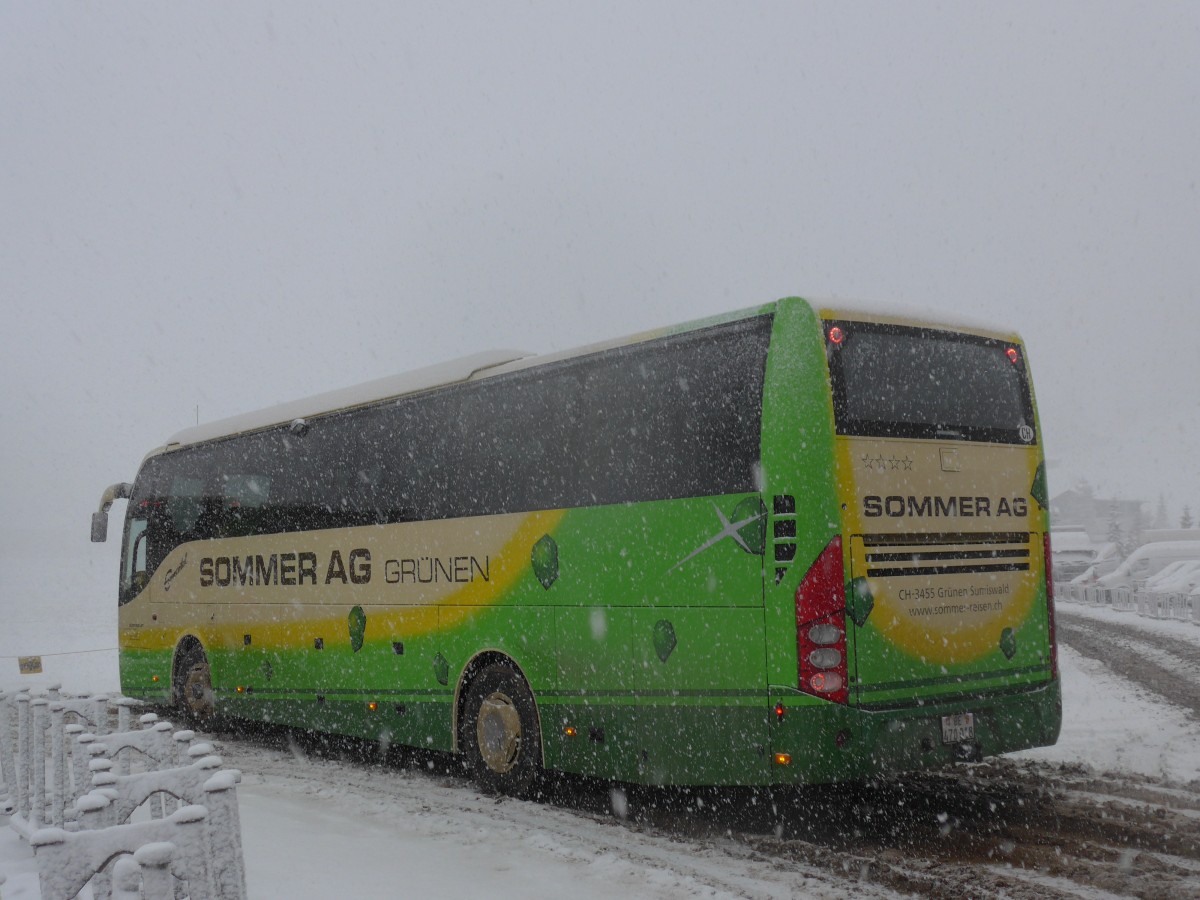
column 499, row 735
column 193, row 688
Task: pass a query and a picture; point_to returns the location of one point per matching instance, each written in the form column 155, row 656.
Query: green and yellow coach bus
column 793, row 544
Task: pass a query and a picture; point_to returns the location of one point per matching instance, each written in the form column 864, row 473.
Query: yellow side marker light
column 571, row 731
column 372, row 706
column 783, row 759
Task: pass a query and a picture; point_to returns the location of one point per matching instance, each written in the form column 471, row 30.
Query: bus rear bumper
column 815, row 744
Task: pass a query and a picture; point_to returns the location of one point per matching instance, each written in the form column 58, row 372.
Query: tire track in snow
column 1158, row 663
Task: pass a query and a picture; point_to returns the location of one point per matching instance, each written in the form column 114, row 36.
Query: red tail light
column 1050, row 607
column 821, row 627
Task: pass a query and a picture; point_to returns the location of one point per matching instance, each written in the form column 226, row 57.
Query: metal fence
column 1177, row 605
column 140, row 811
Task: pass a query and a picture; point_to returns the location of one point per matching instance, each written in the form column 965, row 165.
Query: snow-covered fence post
column 67, row 861
column 182, row 740
column 94, row 810
column 58, row 763
column 225, row 835
column 155, row 862
column 24, row 752
column 165, row 753
column 40, row 718
column 98, row 759
column 100, row 713
column 8, row 773
column 125, row 707
column 81, row 755
column 198, row 751
column 71, row 734
column 127, row 878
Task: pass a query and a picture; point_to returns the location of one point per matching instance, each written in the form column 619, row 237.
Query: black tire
column 193, row 688
column 499, row 734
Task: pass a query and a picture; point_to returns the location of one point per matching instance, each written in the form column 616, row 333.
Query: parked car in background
column 1179, row 577
column 1147, row 560
column 1106, row 560
column 1071, row 552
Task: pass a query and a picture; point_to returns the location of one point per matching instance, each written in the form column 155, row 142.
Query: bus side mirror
column 119, row 491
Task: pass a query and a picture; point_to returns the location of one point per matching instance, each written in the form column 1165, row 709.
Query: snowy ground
column 1112, row 725
column 317, row 827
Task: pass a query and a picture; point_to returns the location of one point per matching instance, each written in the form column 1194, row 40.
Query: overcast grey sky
column 229, row 205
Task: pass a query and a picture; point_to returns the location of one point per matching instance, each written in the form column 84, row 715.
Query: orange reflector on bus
column 570, row 731
column 372, row 706
column 783, row 759
column 240, row 689
column 154, row 678
column 779, row 711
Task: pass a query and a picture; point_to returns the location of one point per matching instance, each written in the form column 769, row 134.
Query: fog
column 213, row 208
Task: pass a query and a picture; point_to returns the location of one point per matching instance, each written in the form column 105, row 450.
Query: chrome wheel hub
column 498, row 732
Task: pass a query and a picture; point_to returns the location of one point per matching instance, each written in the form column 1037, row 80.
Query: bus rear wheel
column 193, row 688
column 499, row 733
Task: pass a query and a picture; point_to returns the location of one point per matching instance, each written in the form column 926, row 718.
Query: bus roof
column 467, row 368
column 495, row 362
column 451, row 372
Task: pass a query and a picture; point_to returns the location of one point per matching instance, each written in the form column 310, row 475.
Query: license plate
column 958, row 728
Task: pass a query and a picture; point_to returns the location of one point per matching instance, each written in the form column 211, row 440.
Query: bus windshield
column 905, row 382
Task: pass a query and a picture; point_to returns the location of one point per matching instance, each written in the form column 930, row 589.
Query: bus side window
column 134, row 569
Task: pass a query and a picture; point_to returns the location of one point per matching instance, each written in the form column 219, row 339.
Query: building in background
column 1104, row 519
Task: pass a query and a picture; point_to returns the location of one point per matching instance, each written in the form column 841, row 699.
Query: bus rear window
column 896, row 381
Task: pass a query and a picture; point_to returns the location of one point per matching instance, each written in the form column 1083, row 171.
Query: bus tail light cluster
column 821, row 627
column 1050, row 607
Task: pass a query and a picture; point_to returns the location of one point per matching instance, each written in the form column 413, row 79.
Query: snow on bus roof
column 455, row 370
